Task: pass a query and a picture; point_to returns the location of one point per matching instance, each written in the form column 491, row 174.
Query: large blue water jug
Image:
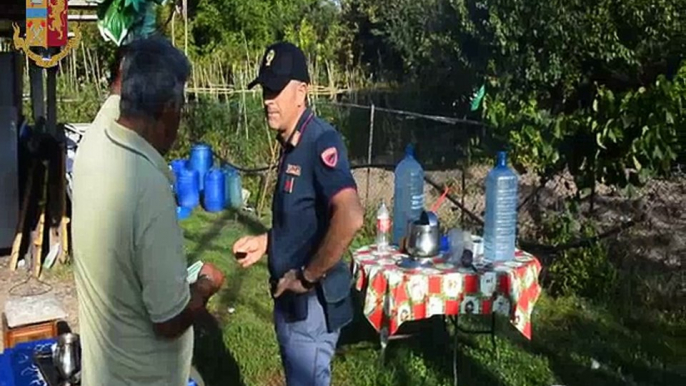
column 500, row 226
column 188, row 188
column 408, row 199
column 201, row 161
column 214, row 197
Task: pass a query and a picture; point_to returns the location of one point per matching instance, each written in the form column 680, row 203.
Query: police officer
column 316, row 214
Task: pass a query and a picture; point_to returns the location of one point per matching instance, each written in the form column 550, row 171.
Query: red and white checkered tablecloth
column 394, row 294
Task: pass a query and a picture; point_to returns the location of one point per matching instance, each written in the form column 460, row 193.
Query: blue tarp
column 17, row 367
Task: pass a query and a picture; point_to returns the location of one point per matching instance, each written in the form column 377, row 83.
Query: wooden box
column 27, row 333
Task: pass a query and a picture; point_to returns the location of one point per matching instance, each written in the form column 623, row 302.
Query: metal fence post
column 369, row 151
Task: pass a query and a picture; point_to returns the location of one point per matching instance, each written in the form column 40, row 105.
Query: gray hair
column 154, row 74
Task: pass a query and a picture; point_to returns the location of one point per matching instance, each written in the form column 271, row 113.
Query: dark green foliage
column 590, row 86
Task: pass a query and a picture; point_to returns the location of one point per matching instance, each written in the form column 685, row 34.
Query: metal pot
column 67, row 356
column 424, row 235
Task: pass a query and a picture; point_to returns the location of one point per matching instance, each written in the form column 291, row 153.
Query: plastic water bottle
column 501, row 211
column 383, row 228
column 408, row 200
column 456, row 245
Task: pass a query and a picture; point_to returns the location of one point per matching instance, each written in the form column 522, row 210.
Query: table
column 393, row 295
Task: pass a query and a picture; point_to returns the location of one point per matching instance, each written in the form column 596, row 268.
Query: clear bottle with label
column 383, row 228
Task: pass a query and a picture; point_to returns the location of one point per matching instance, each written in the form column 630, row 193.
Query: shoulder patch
column 330, row 157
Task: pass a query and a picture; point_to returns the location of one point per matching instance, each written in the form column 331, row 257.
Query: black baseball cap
column 281, row 63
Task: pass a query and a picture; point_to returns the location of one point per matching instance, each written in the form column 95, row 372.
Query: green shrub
column 367, row 234
column 585, row 271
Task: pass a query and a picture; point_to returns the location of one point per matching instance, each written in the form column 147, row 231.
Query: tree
column 559, row 75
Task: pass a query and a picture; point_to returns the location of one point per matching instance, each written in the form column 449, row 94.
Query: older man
column 136, row 308
column 316, row 214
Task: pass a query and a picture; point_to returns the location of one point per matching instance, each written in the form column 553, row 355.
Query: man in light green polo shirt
column 136, row 308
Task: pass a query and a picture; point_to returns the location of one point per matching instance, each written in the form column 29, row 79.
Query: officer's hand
column 289, row 282
column 250, row 249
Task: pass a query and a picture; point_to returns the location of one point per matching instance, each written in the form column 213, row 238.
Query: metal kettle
column 66, row 356
column 424, row 236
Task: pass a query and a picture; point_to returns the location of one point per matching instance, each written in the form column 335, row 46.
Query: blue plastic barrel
column 176, row 166
column 215, row 190
column 234, row 190
column 201, row 161
column 183, row 212
column 187, row 188
column 228, row 170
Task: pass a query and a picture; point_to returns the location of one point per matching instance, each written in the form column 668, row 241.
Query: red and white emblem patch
column 330, row 157
column 293, row 170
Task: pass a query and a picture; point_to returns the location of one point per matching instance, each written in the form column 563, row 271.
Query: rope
column 30, row 294
column 436, row 118
column 255, row 170
column 549, row 249
column 527, row 245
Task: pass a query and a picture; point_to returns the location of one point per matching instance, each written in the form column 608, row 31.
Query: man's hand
column 250, row 249
column 289, row 282
column 210, row 280
column 214, row 276
column 347, row 217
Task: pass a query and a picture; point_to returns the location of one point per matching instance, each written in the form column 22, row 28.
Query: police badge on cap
column 281, row 63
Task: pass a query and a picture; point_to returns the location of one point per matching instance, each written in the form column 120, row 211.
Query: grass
column 575, row 341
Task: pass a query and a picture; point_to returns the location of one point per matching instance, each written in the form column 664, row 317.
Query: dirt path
column 59, row 282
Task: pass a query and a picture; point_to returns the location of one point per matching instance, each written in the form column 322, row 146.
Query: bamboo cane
column 16, row 246
column 38, row 243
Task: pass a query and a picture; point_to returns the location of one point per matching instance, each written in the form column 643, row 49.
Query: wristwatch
column 308, row 285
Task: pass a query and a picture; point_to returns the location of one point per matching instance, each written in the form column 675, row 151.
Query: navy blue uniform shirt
column 313, row 168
